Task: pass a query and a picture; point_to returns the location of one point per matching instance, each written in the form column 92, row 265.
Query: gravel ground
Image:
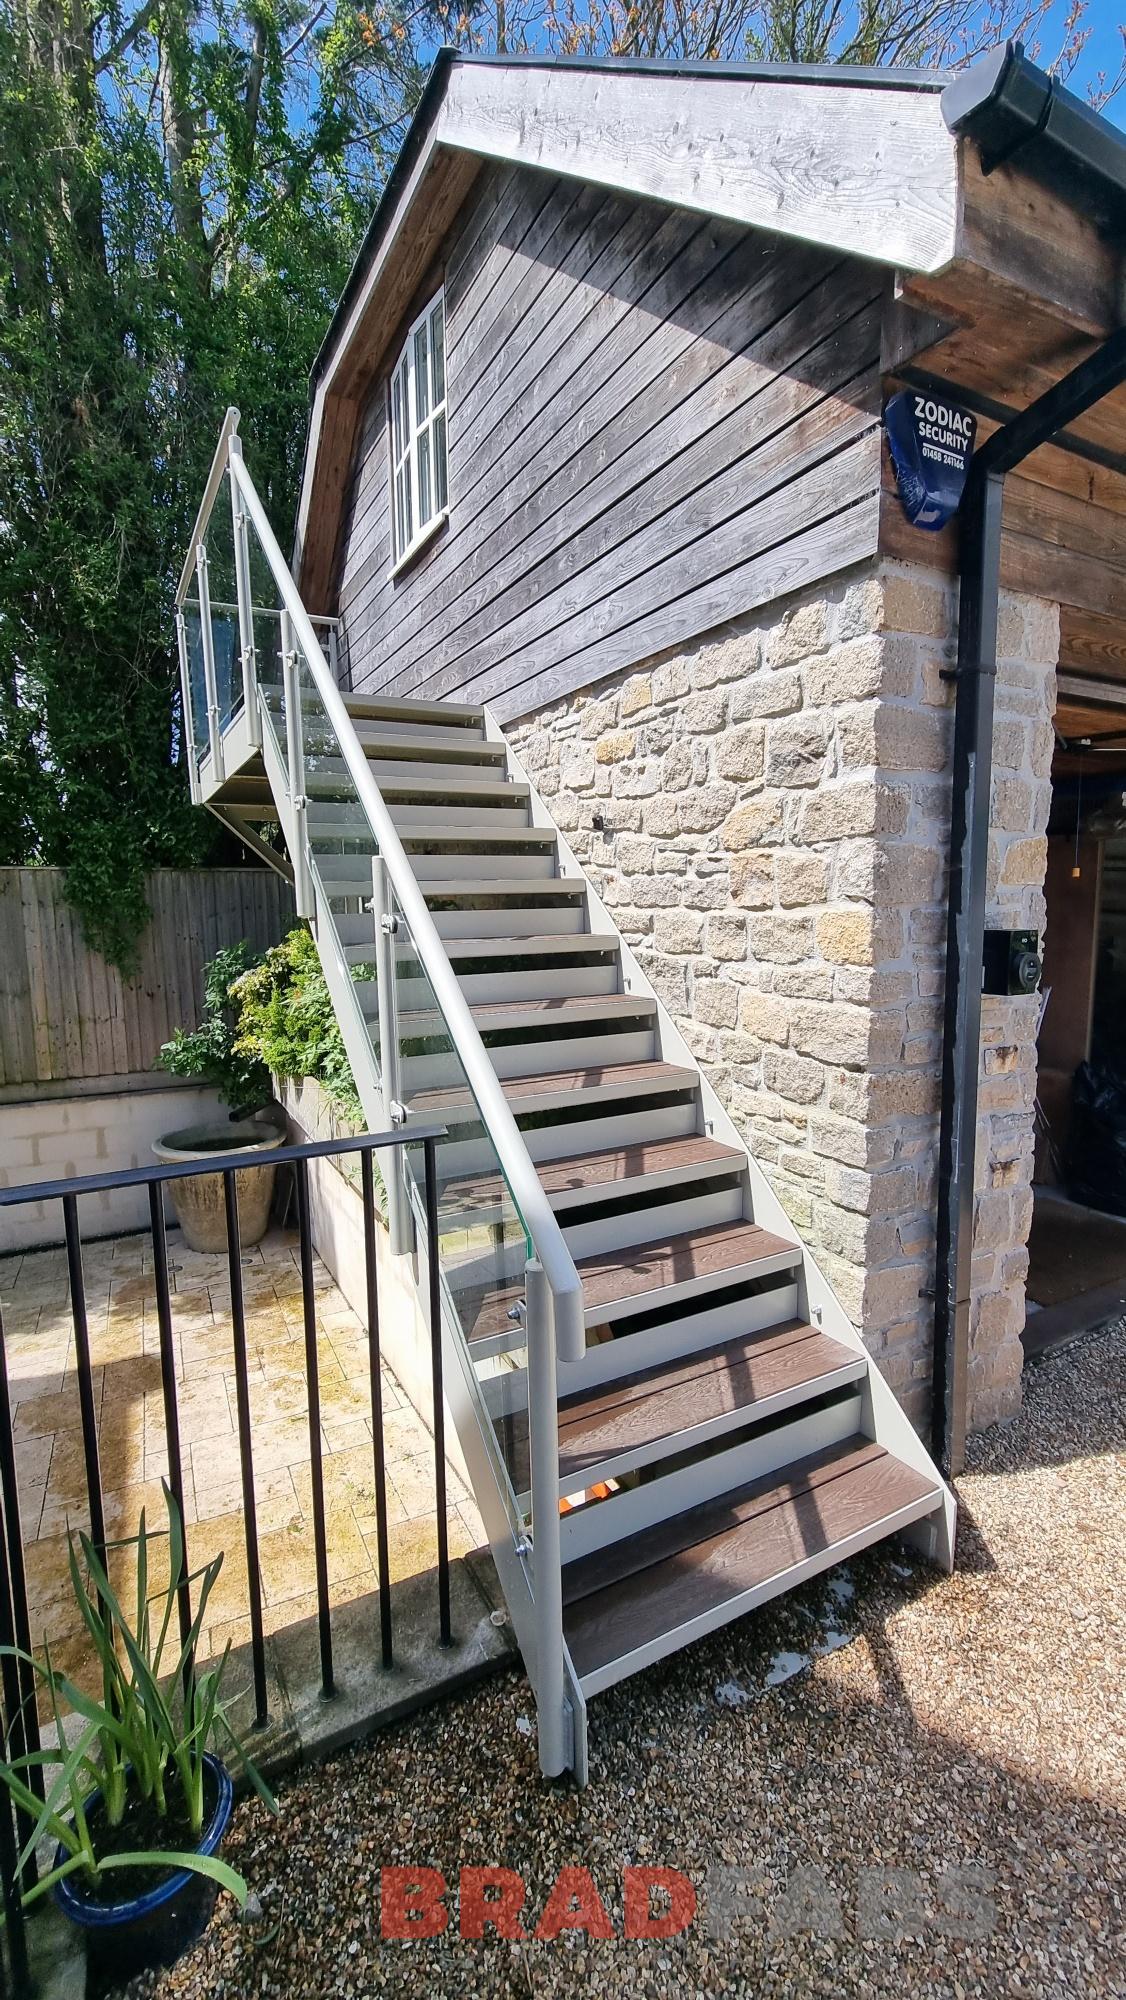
column 921, row 1781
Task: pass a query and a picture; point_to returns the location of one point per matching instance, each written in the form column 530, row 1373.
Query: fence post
column 245, row 608
column 207, row 641
column 547, row 1561
column 386, row 926
column 295, row 747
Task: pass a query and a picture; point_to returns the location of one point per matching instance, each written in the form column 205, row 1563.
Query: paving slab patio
column 125, row 1353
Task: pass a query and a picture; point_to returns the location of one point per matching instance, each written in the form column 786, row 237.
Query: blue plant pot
column 154, row 1928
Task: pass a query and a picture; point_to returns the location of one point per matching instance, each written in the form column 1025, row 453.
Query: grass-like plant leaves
column 147, row 1736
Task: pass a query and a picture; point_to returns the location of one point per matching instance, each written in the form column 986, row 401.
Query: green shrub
column 213, row 1053
column 286, row 1021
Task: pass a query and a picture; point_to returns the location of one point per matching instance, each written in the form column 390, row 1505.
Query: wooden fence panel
column 66, row 1014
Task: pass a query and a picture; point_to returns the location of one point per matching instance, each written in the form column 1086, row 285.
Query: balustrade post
column 547, row 1559
column 245, row 607
column 207, row 641
column 304, row 895
column 386, row 926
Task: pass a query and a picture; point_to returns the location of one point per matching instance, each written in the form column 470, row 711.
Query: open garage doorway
column 1077, row 1249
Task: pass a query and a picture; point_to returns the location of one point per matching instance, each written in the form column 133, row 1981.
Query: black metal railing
column 17, row 1687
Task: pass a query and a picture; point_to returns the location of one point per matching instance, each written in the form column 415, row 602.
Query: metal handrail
column 516, row 1164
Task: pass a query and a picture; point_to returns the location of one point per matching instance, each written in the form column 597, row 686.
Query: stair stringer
column 881, row 1417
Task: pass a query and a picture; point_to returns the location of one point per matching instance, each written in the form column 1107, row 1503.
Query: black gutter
column 980, row 535
column 1011, row 108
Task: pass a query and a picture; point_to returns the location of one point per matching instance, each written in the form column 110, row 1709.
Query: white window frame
column 417, row 437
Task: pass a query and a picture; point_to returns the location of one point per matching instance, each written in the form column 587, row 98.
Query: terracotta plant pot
column 198, row 1202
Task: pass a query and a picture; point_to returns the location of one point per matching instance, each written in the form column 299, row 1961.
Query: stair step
column 502, row 815
column 446, row 839
column 473, row 889
column 641, row 1276
column 497, row 1017
column 428, row 746
column 591, row 1088
column 327, row 775
column 463, row 950
column 535, row 866
column 387, row 708
column 640, row 1419
column 498, row 958
column 612, row 1175
column 636, row 1600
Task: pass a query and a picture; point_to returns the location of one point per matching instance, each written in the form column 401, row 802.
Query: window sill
column 419, row 543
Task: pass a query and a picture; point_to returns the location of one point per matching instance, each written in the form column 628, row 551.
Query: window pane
column 438, row 351
column 425, row 509
column 438, row 432
column 397, row 412
column 421, row 376
column 403, row 506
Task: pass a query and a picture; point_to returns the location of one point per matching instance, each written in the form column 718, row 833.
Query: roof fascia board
column 873, row 173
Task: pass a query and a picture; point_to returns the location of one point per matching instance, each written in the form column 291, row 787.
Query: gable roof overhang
column 861, row 161
column 872, row 163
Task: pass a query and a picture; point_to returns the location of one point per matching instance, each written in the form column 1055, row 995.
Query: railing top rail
column 515, row 1161
column 228, row 430
column 178, row 1170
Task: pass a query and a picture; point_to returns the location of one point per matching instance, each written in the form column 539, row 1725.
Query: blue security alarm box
column 931, row 443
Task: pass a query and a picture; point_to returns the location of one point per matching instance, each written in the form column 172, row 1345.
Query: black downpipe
column 969, row 853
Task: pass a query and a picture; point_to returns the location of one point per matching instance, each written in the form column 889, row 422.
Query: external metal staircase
column 667, row 1415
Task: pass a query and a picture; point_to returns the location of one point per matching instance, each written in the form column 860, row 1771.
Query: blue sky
column 1103, row 50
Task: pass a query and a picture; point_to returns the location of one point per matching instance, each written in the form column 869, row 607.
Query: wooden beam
column 863, row 170
column 1017, row 230
column 1092, row 644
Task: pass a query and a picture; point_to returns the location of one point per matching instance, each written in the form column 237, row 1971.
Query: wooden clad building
column 597, row 439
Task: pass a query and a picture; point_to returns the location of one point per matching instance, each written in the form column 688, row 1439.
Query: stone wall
column 766, row 814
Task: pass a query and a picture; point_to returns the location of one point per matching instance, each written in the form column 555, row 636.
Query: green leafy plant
column 142, row 1746
column 215, row 1052
column 286, row 1021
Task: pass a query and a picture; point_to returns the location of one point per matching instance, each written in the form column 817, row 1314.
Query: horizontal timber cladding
column 656, row 422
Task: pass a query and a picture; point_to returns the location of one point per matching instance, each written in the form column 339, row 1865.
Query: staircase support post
column 547, row 1560
column 245, row 608
column 385, row 924
column 304, row 895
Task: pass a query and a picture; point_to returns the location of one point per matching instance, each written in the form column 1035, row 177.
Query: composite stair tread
column 475, row 836
column 561, row 944
column 630, row 1594
column 732, row 1377
column 617, row 1077
column 382, row 740
column 615, row 1165
column 556, row 944
column 443, row 837
column 639, row 1273
column 427, row 784
column 521, row 891
column 558, row 1008
column 361, row 708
